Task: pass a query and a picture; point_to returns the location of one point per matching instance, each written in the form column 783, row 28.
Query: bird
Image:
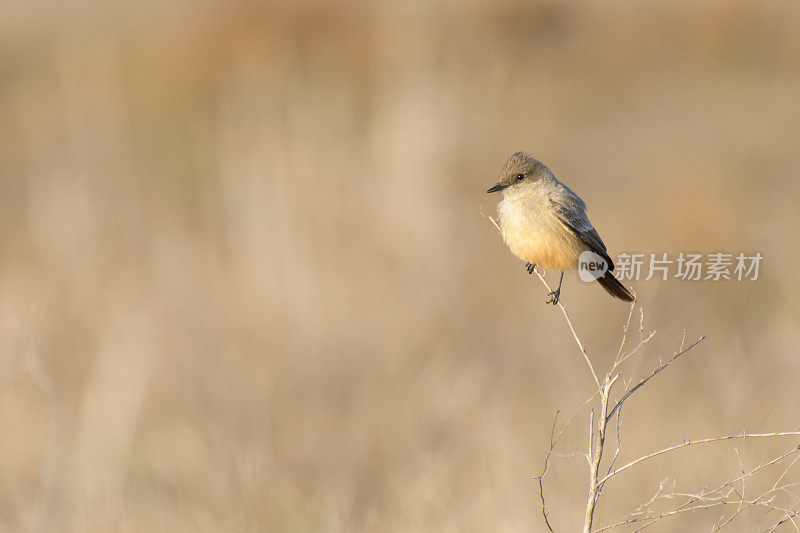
column 544, row 223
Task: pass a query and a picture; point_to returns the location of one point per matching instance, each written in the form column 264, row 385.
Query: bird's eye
column 519, row 177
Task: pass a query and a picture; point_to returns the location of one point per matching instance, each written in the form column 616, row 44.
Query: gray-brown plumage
column 544, row 223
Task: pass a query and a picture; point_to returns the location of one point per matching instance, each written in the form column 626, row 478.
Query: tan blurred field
column 247, row 283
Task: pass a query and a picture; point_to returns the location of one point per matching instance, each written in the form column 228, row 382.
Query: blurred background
column 247, row 282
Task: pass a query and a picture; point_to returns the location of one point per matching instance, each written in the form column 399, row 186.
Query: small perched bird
column 545, row 224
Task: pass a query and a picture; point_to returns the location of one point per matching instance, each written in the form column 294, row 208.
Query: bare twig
column 554, row 440
column 566, row 316
column 616, row 450
column 706, row 499
column 575, row 335
column 654, row 373
column 540, row 477
column 788, row 516
column 596, row 455
column 687, row 443
column 734, row 492
column 625, row 331
column 785, row 471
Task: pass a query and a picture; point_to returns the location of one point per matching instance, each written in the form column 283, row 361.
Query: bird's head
column 521, row 170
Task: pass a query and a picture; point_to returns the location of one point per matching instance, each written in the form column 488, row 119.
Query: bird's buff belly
column 557, row 250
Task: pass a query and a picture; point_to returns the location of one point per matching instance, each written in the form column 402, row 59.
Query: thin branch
column 716, row 496
column 625, row 331
column 697, row 502
column 575, row 335
column 687, row 443
column 540, row 478
column 788, row 516
column 736, row 491
column 574, row 415
column 654, row 373
column 775, row 487
column 652, row 519
column 639, row 346
column 616, row 450
column 590, row 453
column 596, row 458
column 554, row 440
column 785, row 471
column 566, row 316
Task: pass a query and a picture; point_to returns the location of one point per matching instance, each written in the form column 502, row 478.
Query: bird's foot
column 554, row 296
column 530, row 268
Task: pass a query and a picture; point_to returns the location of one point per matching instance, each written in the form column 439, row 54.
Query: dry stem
column 725, row 495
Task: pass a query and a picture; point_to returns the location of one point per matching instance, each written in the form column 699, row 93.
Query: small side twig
column 540, row 477
column 654, row 373
column 723, row 495
column 734, row 492
column 566, row 316
column 684, row 444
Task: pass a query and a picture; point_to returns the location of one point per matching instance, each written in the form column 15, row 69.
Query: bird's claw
column 554, row 296
column 530, row 268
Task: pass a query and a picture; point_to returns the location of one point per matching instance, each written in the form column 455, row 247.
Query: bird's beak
column 498, row 187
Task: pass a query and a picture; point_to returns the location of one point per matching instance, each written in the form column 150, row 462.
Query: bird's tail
column 615, row 288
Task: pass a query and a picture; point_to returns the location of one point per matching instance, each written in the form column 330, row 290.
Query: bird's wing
column 574, row 218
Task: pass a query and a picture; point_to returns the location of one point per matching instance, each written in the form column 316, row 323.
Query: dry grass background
column 246, row 284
